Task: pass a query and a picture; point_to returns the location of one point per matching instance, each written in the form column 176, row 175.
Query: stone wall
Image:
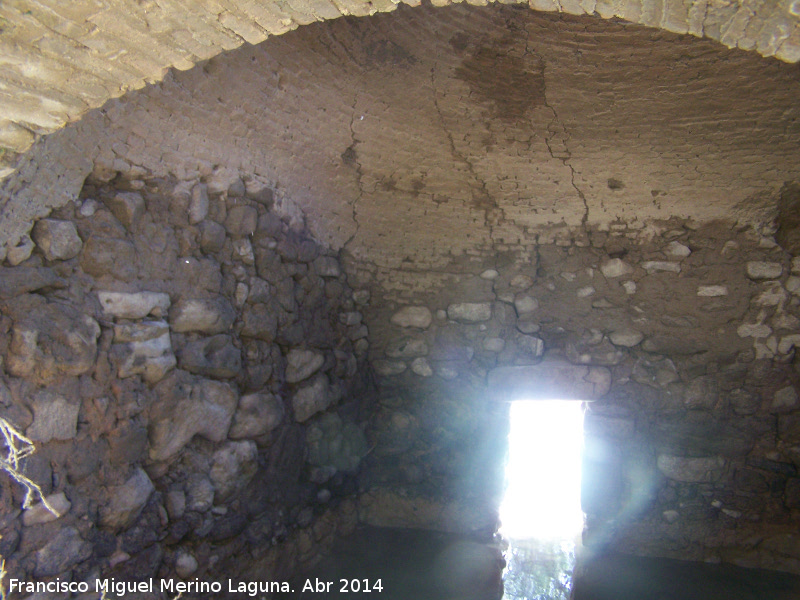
column 685, row 344
column 189, row 365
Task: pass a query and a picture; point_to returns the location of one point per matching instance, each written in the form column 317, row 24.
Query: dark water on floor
column 399, row 564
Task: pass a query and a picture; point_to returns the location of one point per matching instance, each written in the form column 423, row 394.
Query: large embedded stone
column 470, row 312
column 126, row 501
column 21, row 280
column 208, row 315
column 54, row 417
column 529, row 347
column 764, row 270
column 134, row 305
column 58, row 240
column 691, row 470
column 144, row 349
column 259, row 321
column 547, row 380
column 65, row 550
column 212, row 236
column 413, row 316
column 112, row 257
column 50, row 340
column 627, row 338
column 232, row 468
column 202, row 408
column 241, row 221
column 256, row 415
column 312, row 398
column 302, row 364
column 127, row 207
column 214, row 356
column 615, row 267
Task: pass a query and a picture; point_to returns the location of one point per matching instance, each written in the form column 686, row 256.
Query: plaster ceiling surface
column 429, row 134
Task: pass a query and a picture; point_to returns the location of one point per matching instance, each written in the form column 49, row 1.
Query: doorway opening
column 541, row 512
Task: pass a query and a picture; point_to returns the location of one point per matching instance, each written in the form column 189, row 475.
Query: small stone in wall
column 65, row 550
column 21, row 252
column 677, row 250
column 712, row 291
column 585, row 292
column 134, row 305
column 670, row 516
column 764, row 270
column 530, row 347
column 176, row 504
column 789, row 343
column 755, row 330
column 199, row 494
column 361, row 297
column 494, row 344
column 386, row 368
column 54, row 418
column 256, row 415
column 89, row 207
column 198, row 206
column 421, row 367
column 212, row 236
column 127, row 207
column 691, row 470
column 144, row 349
column 785, row 398
column 615, row 267
column 525, row 304
column 413, row 316
column 202, row 315
column 126, row 501
column 447, row 372
column 773, row 294
column 214, row 356
column 407, row 348
column 302, row 364
column 629, row 287
column 655, row 266
column 241, row 221
column 244, row 251
column 185, row 564
column 793, row 284
column 489, row 274
column 521, row 282
column 58, row 240
column 39, row 513
column 232, row 468
column 627, row 338
column 470, row 312
column 327, row 266
column 312, row 398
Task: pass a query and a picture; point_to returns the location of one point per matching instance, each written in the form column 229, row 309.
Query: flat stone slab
column 549, row 380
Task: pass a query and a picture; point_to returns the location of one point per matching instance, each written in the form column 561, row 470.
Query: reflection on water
column 539, row 570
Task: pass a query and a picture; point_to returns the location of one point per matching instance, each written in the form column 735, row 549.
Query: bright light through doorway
column 542, row 500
